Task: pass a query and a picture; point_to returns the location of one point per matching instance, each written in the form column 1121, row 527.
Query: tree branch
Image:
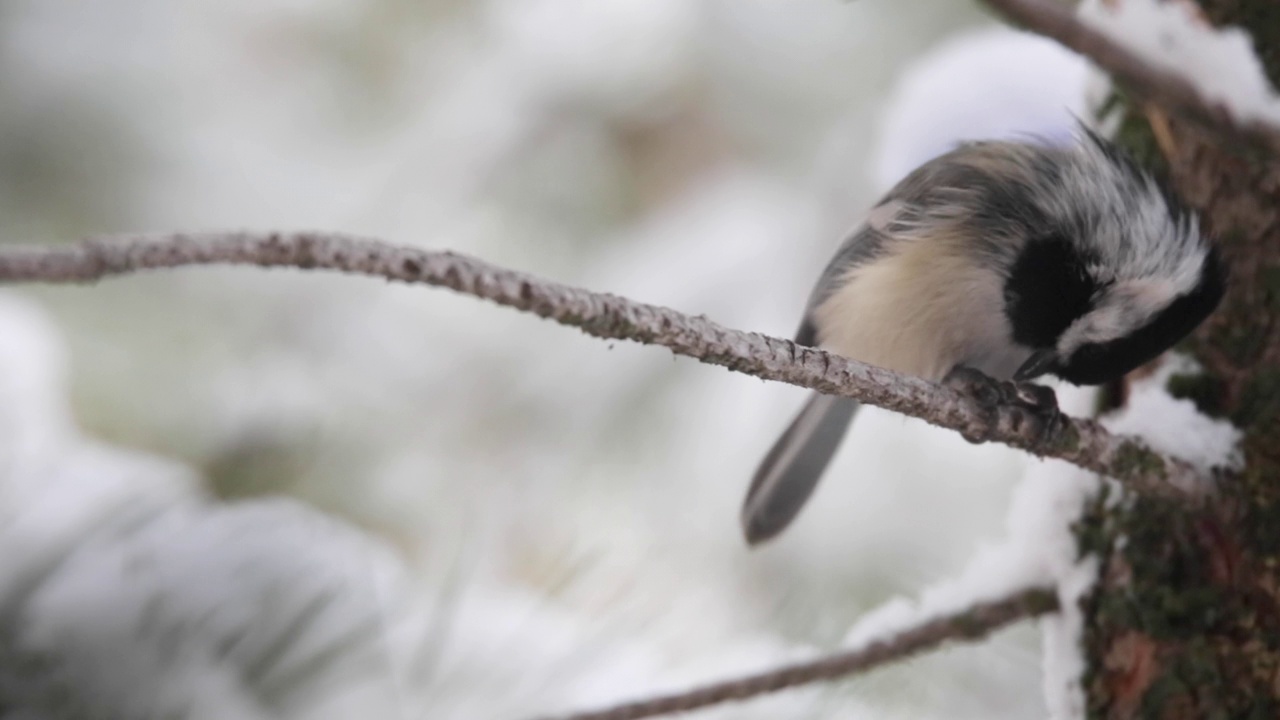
column 974, row 623
column 1169, row 90
column 1078, row 441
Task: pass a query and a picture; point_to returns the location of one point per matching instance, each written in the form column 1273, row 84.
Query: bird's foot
column 1034, row 408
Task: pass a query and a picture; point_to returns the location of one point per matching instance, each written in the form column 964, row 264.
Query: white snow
column 1219, row 62
column 133, row 595
column 1174, row 426
column 264, row 605
column 986, row 84
column 1038, row 550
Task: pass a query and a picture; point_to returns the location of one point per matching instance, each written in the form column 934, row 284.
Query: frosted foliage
column 1219, row 62
column 128, row 594
column 262, row 606
column 517, row 519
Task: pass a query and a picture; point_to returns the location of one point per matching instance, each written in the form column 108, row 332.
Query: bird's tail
column 789, row 473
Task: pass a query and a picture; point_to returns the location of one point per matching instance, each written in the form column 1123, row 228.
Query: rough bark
column 1186, row 620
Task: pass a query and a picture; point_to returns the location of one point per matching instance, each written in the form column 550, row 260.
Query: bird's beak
column 1040, row 362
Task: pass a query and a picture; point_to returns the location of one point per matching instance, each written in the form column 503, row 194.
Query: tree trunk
column 1185, row 622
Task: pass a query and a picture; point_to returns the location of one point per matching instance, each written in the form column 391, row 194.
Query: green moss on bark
column 1185, row 622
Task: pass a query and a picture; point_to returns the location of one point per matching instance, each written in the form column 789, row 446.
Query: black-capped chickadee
column 1009, row 258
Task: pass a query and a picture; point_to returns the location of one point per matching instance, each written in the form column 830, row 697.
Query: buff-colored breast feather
column 921, row 309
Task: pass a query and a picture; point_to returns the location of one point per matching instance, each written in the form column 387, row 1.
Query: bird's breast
column 920, row 310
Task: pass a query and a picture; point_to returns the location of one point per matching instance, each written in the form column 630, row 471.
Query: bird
column 1003, row 259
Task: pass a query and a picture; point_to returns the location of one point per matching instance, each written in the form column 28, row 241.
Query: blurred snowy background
column 381, row 501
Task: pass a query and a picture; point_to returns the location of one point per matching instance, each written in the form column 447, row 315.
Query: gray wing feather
column 864, row 244
column 861, row 246
column 791, row 470
column 789, row 473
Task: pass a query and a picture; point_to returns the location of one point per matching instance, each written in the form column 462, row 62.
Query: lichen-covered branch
column 1168, row 90
column 1078, row 441
column 971, row 624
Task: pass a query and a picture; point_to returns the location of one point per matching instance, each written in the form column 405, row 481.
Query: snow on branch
column 1081, row 442
column 1162, row 53
column 973, row 623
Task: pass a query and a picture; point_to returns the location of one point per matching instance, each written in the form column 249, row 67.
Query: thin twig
column 1058, row 21
column 1078, row 441
column 971, row 624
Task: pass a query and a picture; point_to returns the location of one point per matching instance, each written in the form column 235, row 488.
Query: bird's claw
column 1034, row 408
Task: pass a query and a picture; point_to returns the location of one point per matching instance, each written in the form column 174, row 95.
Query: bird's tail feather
column 788, row 474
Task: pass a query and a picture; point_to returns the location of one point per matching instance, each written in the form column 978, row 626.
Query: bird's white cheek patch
column 1125, row 308
column 1100, row 326
column 1146, row 297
